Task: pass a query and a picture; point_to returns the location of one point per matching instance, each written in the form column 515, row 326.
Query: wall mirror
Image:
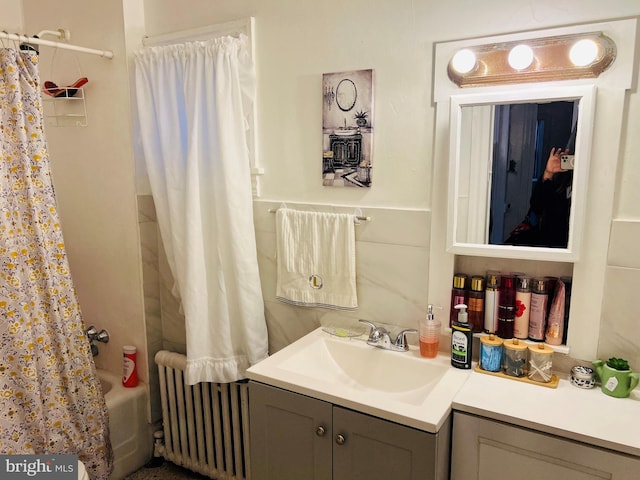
column 346, row 94
column 499, row 147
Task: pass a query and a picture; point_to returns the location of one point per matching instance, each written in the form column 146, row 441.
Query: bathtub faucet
column 99, row 336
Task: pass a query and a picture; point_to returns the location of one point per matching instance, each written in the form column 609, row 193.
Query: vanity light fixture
column 564, row 57
column 464, row 61
column 583, row 52
column 520, row 57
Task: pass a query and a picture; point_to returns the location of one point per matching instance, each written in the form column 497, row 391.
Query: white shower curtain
column 193, row 100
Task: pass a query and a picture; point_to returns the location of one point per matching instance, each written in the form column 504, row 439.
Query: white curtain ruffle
column 192, row 100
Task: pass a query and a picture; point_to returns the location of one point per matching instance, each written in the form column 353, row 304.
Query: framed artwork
column 347, row 128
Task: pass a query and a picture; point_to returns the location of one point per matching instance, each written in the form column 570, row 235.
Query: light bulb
column 463, row 61
column 520, row 57
column 584, row 52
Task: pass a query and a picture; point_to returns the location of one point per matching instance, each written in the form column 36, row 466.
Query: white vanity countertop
column 585, row 415
column 354, row 375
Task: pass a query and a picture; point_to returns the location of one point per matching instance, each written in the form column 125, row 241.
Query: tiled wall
column 392, row 254
column 150, row 278
column 619, row 328
column 392, row 259
column 163, row 321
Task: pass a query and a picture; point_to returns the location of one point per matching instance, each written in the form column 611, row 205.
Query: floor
column 166, row 471
column 346, row 177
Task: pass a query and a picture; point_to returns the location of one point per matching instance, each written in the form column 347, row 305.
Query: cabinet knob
column 320, row 431
column 340, row 439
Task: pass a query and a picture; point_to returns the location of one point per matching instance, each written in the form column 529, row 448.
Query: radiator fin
column 206, row 426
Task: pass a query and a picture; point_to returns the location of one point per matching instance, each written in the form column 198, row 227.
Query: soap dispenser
column 429, row 335
column 461, row 339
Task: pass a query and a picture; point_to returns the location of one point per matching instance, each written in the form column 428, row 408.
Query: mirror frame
column 348, row 83
column 586, row 95
column 611, row 121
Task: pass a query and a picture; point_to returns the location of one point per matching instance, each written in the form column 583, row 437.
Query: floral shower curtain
column 50, row 399
column 193, row 99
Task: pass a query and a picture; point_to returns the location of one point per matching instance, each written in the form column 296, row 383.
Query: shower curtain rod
column 233, row 27
column 48, row 43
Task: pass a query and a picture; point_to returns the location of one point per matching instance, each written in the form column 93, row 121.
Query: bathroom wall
column 93, row 172
column 297, row 42
column 619, row 334
column 11, row 20
column 392, row 255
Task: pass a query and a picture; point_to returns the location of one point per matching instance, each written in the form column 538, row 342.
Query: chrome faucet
column 99, row 336
column 380, row 337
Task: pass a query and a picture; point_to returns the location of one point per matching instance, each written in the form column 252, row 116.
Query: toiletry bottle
column 459, row 295
column 476, row 304
column 523, row 308
column 129, row 369
column 567, row 303
column 551, row 288
column 461, row 339
column 555, row 321
column 506, row 306
column 491, row 302
column 538, row 316
column 429, row 335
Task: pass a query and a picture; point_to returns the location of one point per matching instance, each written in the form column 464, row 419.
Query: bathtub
column 130, row 433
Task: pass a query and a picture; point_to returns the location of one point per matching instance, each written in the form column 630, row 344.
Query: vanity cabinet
column 485, row 449
column 295, row 437
column 347, row 150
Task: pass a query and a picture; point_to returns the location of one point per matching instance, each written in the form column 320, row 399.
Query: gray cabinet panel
column 484, row 449
column 376, row 449
column 285, row 444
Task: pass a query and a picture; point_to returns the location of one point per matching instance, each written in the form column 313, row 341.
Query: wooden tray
column 552, row 384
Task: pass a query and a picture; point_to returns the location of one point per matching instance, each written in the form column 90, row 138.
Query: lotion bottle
column 523, row 308
column 459, row 294
column 538, row 316
column 491, row 302
column 461, row 339
column 506, row 306
column 476, row 303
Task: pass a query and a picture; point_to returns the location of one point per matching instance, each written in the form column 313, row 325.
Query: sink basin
column 399, row 386
column 352, row 362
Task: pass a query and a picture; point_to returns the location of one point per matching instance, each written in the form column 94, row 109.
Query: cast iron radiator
column 206, row 426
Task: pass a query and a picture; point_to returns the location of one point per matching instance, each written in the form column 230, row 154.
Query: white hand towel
column 316, row 259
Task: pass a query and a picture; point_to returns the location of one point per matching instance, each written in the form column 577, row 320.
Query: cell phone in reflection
column 566, row 162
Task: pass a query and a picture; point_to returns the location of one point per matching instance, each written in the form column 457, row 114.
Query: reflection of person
column 547, row 223
column 551, row 202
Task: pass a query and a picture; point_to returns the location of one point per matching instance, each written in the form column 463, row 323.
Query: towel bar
column 356, row 218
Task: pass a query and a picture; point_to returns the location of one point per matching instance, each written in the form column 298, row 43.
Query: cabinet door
column 489, row 450
column 375, row 449
column 290, row 435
